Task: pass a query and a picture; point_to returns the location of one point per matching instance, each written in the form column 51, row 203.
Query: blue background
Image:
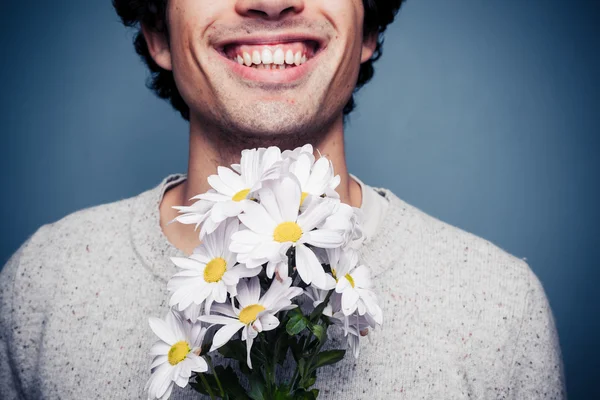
column 484, row 114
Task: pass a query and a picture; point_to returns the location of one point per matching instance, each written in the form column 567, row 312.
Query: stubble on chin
column 262, row 125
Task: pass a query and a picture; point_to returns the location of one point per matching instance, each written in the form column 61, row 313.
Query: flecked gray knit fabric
column 463, row 318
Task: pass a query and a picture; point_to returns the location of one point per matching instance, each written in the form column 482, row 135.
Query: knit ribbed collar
column 155, row 251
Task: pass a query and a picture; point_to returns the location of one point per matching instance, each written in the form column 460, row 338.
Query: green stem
column 207, row 386
column 269, row 376
column 209, row 361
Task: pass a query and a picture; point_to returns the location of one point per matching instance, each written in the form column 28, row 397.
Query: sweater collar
column 155, row 251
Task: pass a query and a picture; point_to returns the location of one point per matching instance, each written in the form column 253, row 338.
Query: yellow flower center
column 178, row 352
column 214, row 270
column 303, row 197
column 350, row 279
column 241, row 195
column 248, row 314
column 287, row 232
column 334, row 274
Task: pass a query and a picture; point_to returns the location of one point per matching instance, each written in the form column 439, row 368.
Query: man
column 463, row 317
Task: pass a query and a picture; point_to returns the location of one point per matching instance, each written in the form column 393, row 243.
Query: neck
column 207, row 152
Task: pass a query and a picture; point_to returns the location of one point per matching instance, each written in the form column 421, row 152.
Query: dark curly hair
column 378, row 15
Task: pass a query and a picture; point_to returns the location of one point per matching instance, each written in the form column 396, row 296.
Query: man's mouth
column 279, row 56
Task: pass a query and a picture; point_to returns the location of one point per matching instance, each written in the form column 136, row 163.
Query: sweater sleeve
column 537, row 369
column 8, row 372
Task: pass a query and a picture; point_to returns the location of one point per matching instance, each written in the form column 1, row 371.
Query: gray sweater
column 463, row 318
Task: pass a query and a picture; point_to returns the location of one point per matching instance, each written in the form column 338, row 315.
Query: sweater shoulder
column 448, row 257
column 56, row 247
column 449, row 244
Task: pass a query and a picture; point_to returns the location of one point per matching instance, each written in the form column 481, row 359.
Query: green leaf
column 328, row 357
column 318, row 331
column 257, row 388
column 234, row 349
column 296, row 324
column 281, row 348
column 230, row 382
column 314, row 316
column 198, row 385
column 283, row 393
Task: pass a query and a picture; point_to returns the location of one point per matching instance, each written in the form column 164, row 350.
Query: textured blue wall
column 483, row 113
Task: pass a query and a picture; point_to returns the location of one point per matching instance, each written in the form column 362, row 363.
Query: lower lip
column 288, row 75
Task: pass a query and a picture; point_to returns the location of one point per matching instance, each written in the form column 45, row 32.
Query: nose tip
column 269, row 9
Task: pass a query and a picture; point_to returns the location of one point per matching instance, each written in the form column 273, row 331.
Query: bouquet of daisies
column 276, row 271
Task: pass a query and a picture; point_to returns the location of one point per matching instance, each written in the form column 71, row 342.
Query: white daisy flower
column 254, row 315
column 347, row 219
column 355, row 326
column 316, row 177
column 274, row 226
column 195, row 214
column 318, row 296
column 293, row 154
column 354, row 285
column 176, row 354
column 232, row 190
column 210, row 272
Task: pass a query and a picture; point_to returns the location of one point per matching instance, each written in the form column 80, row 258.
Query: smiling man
column 464, row 319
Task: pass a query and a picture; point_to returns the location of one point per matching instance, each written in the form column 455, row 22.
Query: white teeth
column 278, row 57
column 270, row 60
column 247, row 59
column 289, row 57
column 266, row 56
column 255, row 57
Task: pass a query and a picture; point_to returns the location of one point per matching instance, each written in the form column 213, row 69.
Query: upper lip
column 271, row 39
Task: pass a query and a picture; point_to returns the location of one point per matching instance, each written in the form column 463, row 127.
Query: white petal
column 257, row 219
column 319, row 278
column 323, row 238
column 269, row 322
column 159, row 348
column 198, row 364
column 216, row 319
column 250, row 166
column 162, row 380
column 320, row 176
column 254, row 290
column 362, row 277
column 349, row 301
column 217, row 183
column 181, row 381
column 316, row 213
column 245, row 237
column 288, row 194
column 269, row 202
column 214, row 197
column 161, row 359
column 270, row 157
column 249, row 341
column 231, row 179
column 187, row 263
column 301, row 168
column 226, row 209
column 223, row 335
column 342, row 284
column 224, row 309
column 162, row 330
column 303, row 261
